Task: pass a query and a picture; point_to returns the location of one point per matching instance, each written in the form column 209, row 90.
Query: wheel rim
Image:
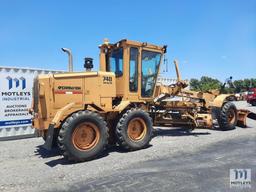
column 85, row 136
column 231, row 116
column 136, row 129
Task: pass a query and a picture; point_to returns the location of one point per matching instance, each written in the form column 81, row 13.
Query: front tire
column 228, row 116
column 83, row 136
column 134, row 129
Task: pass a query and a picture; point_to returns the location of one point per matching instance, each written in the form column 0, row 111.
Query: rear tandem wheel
column 83, row 136
column 134, row 129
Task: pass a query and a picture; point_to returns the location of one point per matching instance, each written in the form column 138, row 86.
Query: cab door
column 133, row 87
column 150, row 63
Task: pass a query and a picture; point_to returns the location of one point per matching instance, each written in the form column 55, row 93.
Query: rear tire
column 254, row 103
column 83, row 136
column 134, row 129
column 228, row 116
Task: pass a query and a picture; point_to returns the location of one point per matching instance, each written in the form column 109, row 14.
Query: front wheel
column 228, row 116
column 134, row 129
column 83, row 136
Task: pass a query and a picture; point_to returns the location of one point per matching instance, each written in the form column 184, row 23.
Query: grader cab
column 82, row 112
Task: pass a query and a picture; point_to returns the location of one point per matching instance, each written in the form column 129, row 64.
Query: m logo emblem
column 16, row 82
column 240, row 178
column 240, row 174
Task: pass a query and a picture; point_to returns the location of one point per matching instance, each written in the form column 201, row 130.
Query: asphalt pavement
column 205, row 170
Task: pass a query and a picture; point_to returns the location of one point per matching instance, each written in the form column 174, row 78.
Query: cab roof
column 136, row 43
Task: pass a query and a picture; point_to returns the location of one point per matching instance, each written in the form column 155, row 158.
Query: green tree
column 204, row 84
column 194, row 84
column 245, row 84
column 208, row 83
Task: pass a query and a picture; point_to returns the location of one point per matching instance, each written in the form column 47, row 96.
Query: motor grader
column 82, row 112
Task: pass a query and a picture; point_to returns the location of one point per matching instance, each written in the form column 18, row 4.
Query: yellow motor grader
column 82, row 112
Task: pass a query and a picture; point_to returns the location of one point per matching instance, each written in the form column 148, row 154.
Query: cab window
column 115, row 62
column 133, row 80
column 149, row 69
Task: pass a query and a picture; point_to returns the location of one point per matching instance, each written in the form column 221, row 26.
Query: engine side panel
column 59, row 90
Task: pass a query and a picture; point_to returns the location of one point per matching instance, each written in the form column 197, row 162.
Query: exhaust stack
column 70, row 58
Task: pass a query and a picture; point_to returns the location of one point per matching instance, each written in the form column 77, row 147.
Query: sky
column 216, row 38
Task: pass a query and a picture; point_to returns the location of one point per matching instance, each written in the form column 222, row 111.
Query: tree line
column 207, row 83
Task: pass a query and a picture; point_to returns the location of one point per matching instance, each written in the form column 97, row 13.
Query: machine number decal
column 107, row 80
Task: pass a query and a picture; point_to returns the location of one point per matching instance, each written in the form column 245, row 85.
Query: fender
column 122, row 106
column 69, row 109
column 220, row 100
column 59, row 115
column 55, row 121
